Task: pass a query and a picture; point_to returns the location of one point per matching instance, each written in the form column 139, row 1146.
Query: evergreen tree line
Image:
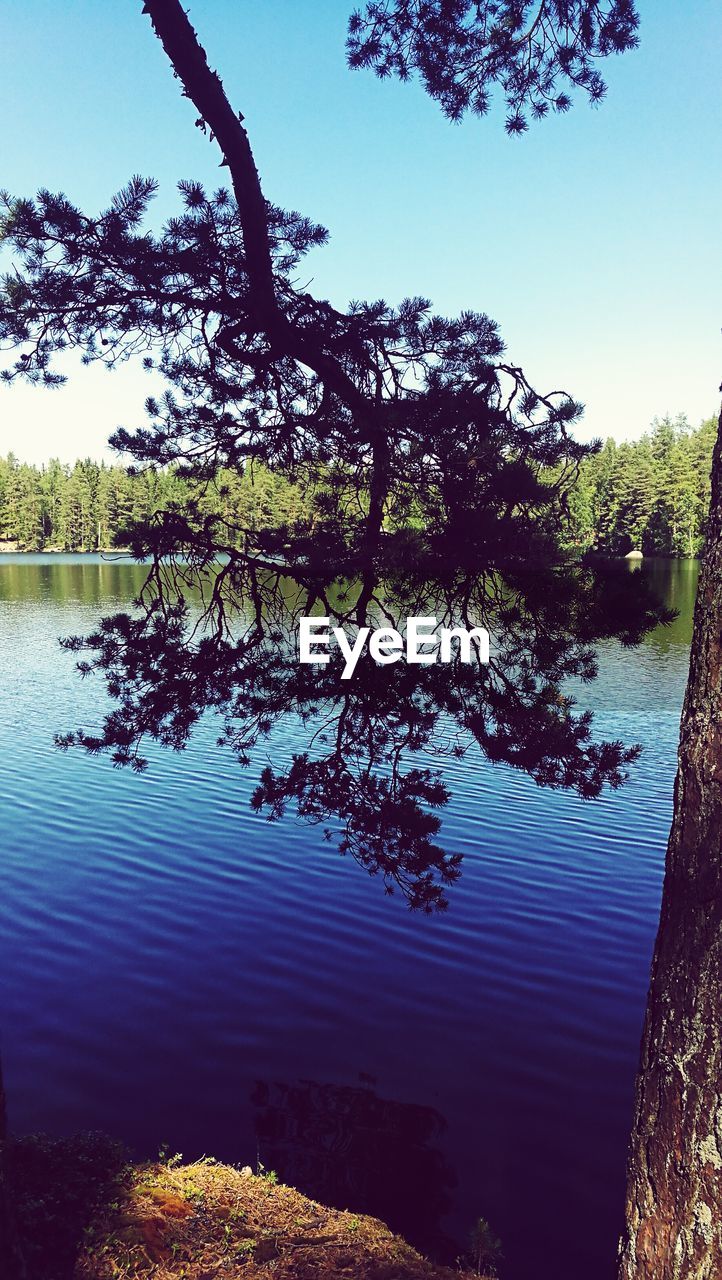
column 88, row 506
column 650, row 494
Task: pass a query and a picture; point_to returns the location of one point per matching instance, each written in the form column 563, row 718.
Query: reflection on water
column 90, row 579
column 677, row 581
column 348, row 1147
column 163, row 949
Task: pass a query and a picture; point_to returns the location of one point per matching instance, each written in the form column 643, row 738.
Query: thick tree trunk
column 674, row 1189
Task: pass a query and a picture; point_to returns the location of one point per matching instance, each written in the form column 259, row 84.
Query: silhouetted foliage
column 651, row 493
column 56, row 1186
column 538, row 53
column 437, row 480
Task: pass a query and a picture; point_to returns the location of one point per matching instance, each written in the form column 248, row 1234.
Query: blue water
column 174, row 966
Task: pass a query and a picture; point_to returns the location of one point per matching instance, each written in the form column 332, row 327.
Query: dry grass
column 208, row 1221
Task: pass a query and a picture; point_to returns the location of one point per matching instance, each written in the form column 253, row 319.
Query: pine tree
column 373, row 411
column 673, row 1219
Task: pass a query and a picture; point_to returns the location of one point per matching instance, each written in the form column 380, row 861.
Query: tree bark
column 674, row 1188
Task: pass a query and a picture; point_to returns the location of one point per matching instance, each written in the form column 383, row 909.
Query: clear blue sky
column 594, row 240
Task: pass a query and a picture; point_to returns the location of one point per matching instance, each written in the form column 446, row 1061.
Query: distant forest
column 650, row 494
column 88, row 506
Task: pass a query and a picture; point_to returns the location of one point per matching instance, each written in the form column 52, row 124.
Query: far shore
column 12, row 549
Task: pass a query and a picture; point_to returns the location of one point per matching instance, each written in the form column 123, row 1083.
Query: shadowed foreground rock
column 84, row 1213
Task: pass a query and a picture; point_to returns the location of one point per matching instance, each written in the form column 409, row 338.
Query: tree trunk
column 674, row 1188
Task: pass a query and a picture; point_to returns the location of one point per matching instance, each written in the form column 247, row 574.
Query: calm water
column 178, row 970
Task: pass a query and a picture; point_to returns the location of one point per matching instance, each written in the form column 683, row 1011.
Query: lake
column 177, row 970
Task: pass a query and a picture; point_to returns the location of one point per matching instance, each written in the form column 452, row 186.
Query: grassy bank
column 81, row 1211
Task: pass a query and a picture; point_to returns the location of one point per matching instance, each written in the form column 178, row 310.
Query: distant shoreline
column 6, row 550
column 61, row 551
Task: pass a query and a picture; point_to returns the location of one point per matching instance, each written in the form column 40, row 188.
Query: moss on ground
column 84, row 1213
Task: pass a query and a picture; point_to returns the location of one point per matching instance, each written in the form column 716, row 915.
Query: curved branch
column 204, row 88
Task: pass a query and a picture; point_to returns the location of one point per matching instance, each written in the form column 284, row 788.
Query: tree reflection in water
column 345, row 1146
column 221, row 634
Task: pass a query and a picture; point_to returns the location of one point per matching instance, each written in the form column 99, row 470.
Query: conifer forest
column 649, row 494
